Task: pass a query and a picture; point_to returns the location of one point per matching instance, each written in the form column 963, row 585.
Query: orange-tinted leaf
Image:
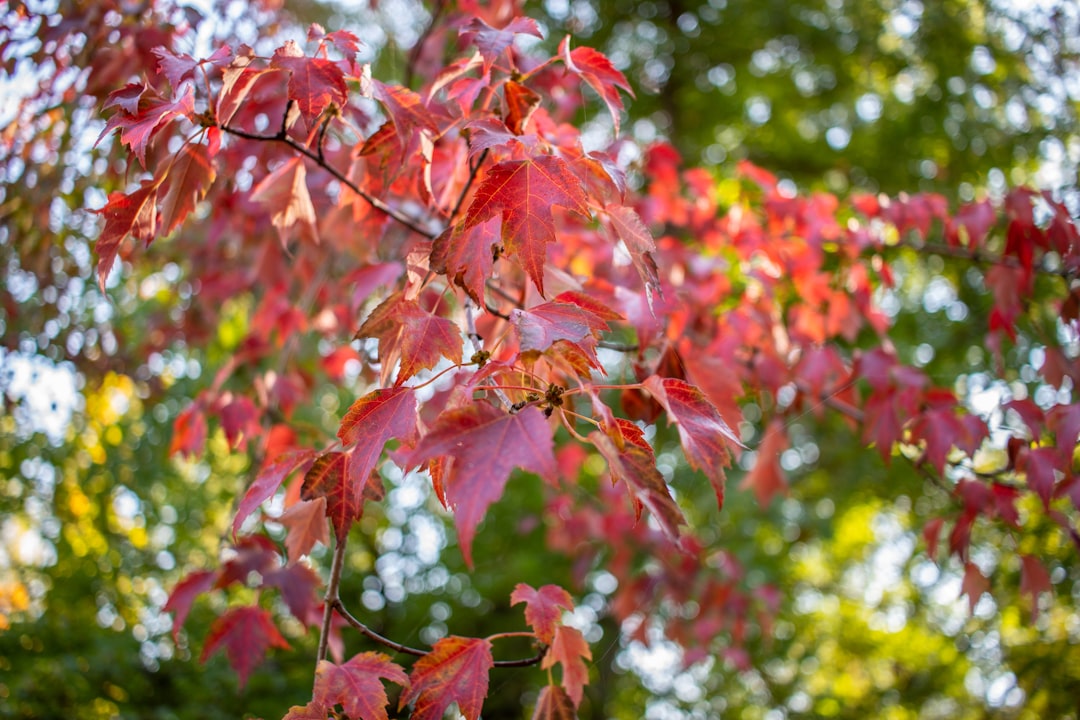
column 554, row 704
column 594, row 68
column 543, row 608
column 284, row 192
column 314, row 83
column 237, row 80
column 134, row 214
column 631, row 229
column 189, row 432
column 371, row 422
column 635, row 464
column 357, row 685
column 327, row 478
column 766, row 478
column 521, row 102
column 456, row 670
column 406, row 110
column 486, row 444
column 306, row 524
column 524, row 193
column 701, row 429
column 570, row 649
column 267, row 482
column 311, row 711
column 246, row 633
column 190, row 176
column 410, row 334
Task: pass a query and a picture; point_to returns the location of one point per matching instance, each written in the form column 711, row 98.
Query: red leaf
column 284, row 192
column 486, row 445
column 456, row 670
column 189, row 432
column 134, row 214
column 521, row 103
column 466, row 256
column 176, row 68
column 594, row 68
column 766, row 479
column 554, row 704
column 314, row 83
column 407, row 111
column 297, row 584
column 491, row 42
column 974, row 585
column 136, row 129
column 306, row 523
column 1039, row 465
column 701, row 429
column 240, row 421
column 371, row 422
column 540, row 326
column 311, row 711
column 970, row 224
column 411, row 334
column 932, row 535
column 542, row 608
column 237, row 80
column 524, row 192
column 246, row 633
column 190, row 175
column 267, row 482
column 184, row 594
column 1034, row 580
column 631, row 229
column 635, row 464
column 327, row 478
column 570, row 649
column 356, row 685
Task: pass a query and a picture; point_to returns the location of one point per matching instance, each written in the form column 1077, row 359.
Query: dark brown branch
column 523, row 662
column 316, row 158
column 331, row 599
column 368, row 632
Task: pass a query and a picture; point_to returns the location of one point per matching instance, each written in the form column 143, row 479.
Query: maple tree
column 504, row 306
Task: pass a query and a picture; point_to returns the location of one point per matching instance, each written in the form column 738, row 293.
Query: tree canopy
column 598, row 360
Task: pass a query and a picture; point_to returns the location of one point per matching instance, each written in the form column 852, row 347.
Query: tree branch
column 331, row 598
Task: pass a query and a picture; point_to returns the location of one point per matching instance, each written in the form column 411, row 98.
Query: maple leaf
column 521, row 103
column 190, row 175
column 246, row 633
column 455, row 671
column 327, row 479
column 631, row 459
column 410, row 333
column 486, row 445
column 491, row 42
column 356, row 685
column 466, row 255
column 631, row 229
column 237, row 81
column 554, row 704
column 596, row 69
column 266, row 483
column 542, row 608
column 297, row 584
column 311, row 711
column 183, row 597
column 570, row 649
column 541, row 326
column 371, row 422
column 136, row 129
column 407, row 112
column 177, row 68
column 973, row 585
column 766, row 478
column 1039, row 465
column 701, row 429
column 306, row 524
column 524, row 192
column 284, row 192
column 133, row 214
column 314, row 83
column 189, row 432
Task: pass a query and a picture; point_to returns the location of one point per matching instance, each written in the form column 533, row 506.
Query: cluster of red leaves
column 470, row 237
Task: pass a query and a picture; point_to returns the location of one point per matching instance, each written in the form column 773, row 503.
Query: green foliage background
column 955, row 96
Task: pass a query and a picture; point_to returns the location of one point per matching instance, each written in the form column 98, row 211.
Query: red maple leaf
column 491, row 42
column 631, row 459
column 701, row 429
column 314, row 83
column 570, row 649
column 1034, row 580
column 134, row 214
column 631, row 229
column 524, row 192
column 189, row 432
column 486, row 444
column 297, row 584
column 269, row 479
column 766, row 478
column 554, row 704
column 371, row 422
column 306, row 525
column 406, row 109
column 357, row 685
column 246, row 633
column 1039, row 465
column 541, row 326
column 467, row 255
column 974, row 585
column 237, row 81
column 190, row 175
column 596, row 69
column 183, row 596
column 284, row 192
column 455, row 671
column 410, row 334
column 137, row 128
column 327, row 478
column 543, row 608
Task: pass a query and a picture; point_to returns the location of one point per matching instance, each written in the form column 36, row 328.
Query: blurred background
column 97, row 523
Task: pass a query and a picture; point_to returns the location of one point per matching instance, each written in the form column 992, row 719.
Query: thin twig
column 365, row 630
column 338, row 175
column 331, row 599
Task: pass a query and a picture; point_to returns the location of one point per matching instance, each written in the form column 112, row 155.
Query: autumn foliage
column 512, row 300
